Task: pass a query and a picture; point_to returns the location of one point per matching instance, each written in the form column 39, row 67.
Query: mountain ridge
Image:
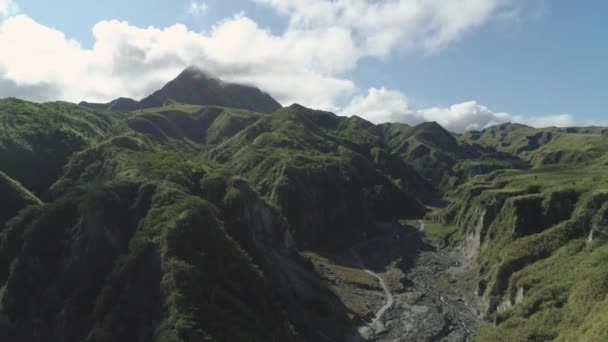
column 187, row 222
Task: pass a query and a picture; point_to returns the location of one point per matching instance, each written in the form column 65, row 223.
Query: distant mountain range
column 191, row 215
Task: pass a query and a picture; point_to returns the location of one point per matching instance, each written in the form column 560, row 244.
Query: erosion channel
column 400, row 287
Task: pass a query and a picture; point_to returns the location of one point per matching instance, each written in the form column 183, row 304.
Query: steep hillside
column 36, row 140
column 209, row 212
column 149, row 232
column 318, row 169
column 14, row 197
column 441, row 158
column 145, row 240
column 202, row 124
column 539, row 240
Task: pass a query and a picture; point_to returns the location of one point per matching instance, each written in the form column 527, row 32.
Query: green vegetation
column 182, row 217
column 547, row 146
column 542, row 238
column 442, row 234
column 159, row 200
column 36, row 140
column 306, row 161
column 343, row 273
column 344, row 280
column 15, row 197
column 441, row 157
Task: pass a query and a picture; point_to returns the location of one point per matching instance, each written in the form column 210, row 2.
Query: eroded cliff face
column 509, row 232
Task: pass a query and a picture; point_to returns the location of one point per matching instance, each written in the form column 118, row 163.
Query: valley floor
column 429, row 296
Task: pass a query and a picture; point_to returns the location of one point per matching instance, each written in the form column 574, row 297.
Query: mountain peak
column 434, row 133
column 196, row 86
column 195, row 72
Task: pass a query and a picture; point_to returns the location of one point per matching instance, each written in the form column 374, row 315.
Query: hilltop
column 195, row 86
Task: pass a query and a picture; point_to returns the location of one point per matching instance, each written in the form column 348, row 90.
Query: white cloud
column 383, row 105
column 304, row 64
column 197, row 8
column 126, row 60
column 8, row 7
column 382, row 26
column 379, row 105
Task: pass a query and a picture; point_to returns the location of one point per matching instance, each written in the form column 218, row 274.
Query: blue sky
column 537, row 62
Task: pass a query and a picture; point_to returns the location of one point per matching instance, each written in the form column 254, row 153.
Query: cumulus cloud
column 379, row 105
column 306, row 63
column 382, row 26
column 8, row 7
column 126, row 60
column 197, row 8
column 383, row 105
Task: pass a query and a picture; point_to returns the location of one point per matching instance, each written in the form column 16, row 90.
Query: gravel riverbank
column 431, row 300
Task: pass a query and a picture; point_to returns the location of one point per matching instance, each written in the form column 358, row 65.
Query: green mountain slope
column 149, row 230
column 440, row 157
column 546, row 146
column 36, row 140
column 208, row 212
column 144, row 238
column 539, row 238
column 318, row 170
column 15, row 198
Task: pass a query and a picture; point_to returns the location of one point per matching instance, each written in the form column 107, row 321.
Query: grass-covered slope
column 439, row 156
column 146, row 240
column 143, row 236
column 14, row 198
column 319, row 170
column 544, row 146
column 204, row 125
column 121, row 104
column 178, row 221
column 36, row 140
column 540, row 239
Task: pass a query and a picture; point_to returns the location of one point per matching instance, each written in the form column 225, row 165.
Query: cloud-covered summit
column 308, row 63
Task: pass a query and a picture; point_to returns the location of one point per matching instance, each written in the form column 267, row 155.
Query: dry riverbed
column 426, row 294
